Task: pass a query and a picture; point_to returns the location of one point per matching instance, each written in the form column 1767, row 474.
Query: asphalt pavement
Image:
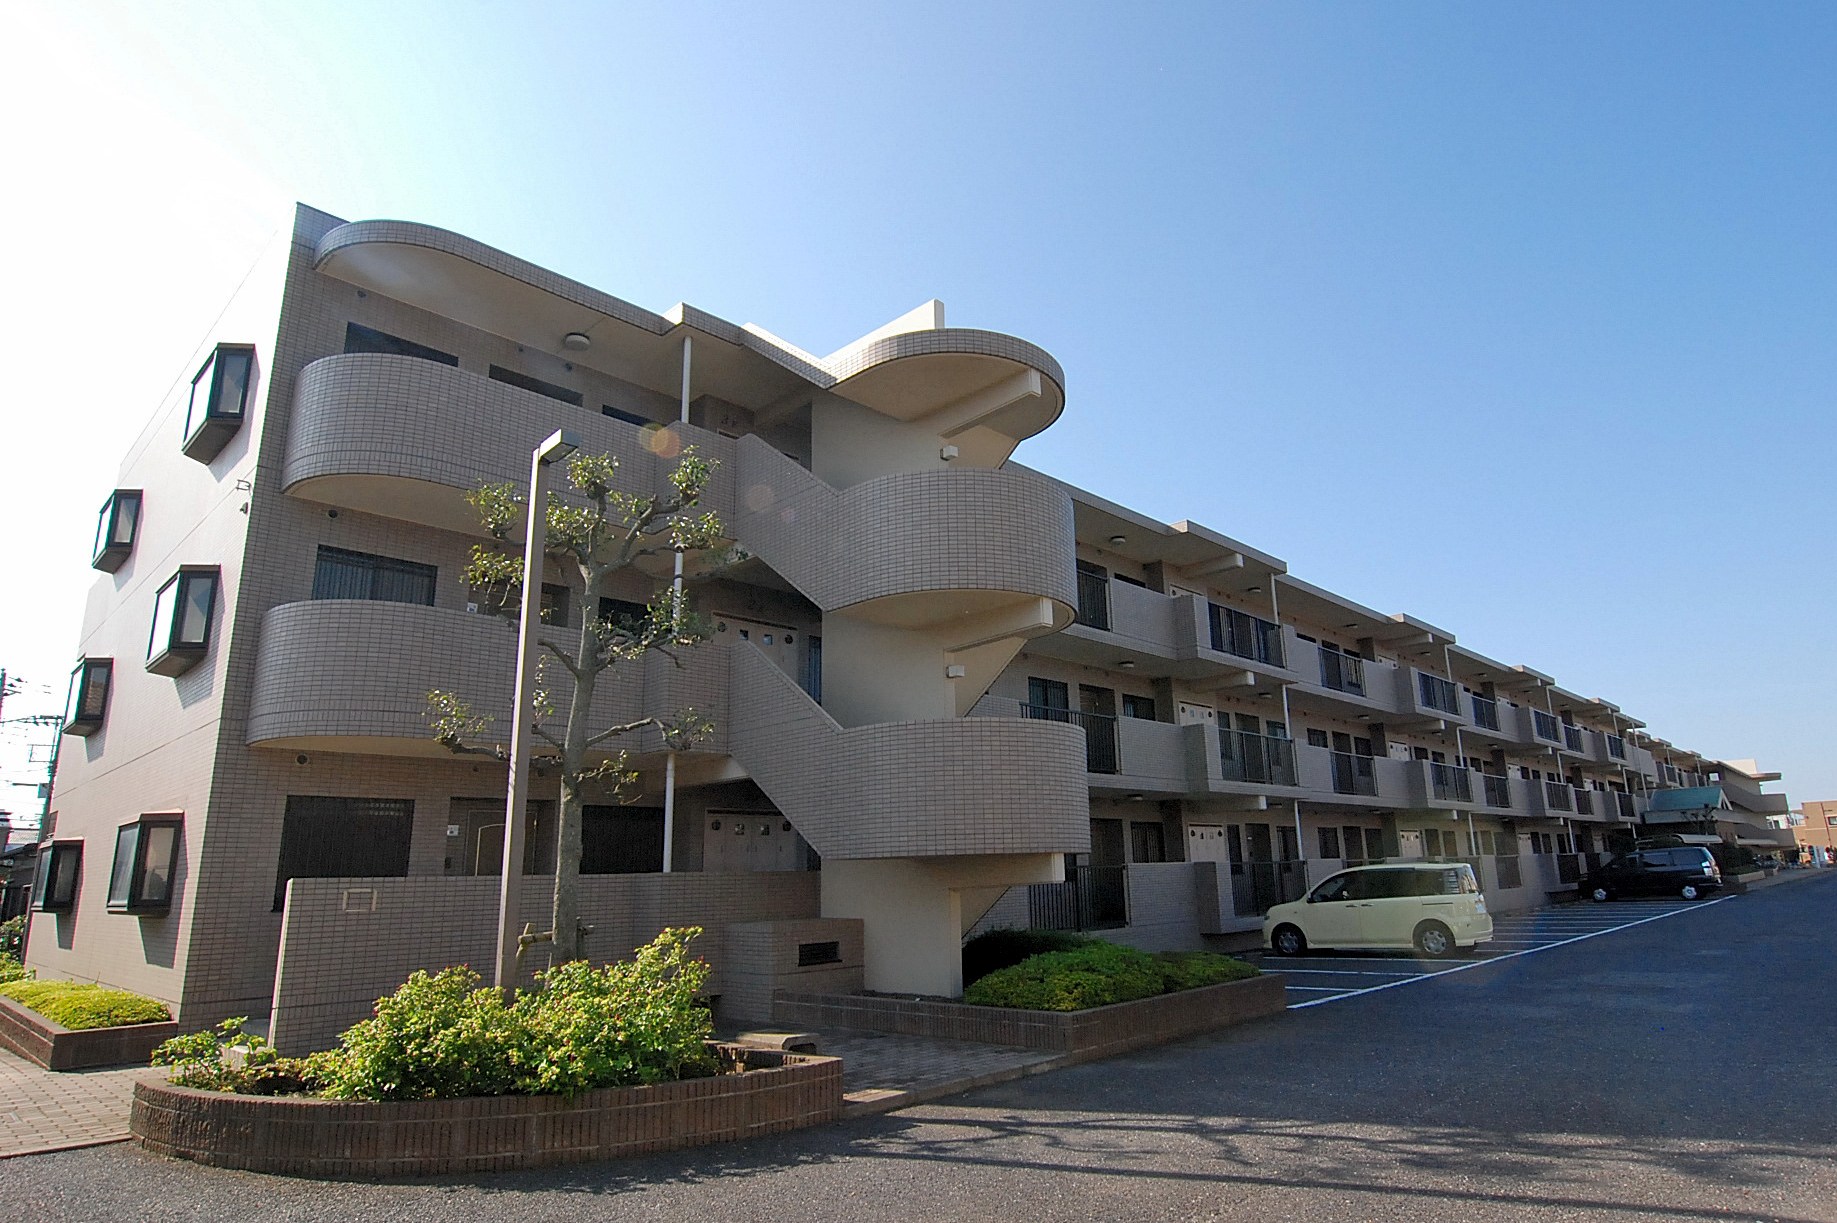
column 1678, row 1069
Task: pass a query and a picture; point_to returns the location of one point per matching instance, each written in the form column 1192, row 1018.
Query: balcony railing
column 1100, row 752
column 1616, row 747
column 1498, row 791
column 1624, row 802
column 1093, row 600
column 1438, row 693
column 1507, row 870
column 1572, row 737
column 1485, row 712
column 1247, row 636
column 1342, row 672
column 1584, row 801
column 1263, row 759
column 1257, row 886
column 1354, row 774
column 1545, row 726
column 1450, row 783
column 1091, row 898
column 1558, row 796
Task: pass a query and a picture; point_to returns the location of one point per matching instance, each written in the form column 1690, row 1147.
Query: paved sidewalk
column 882, row 1071
column 41, row 1110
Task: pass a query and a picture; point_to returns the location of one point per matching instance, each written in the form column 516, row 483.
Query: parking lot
column 1316, row 979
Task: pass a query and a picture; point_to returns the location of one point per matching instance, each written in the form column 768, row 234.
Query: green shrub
column 444, row 1035
column 1192, row 969
column 1075, row 980
column 13, row 937
column 636, row 1021
column 439, row 1036
column 230, row 1059
column 85, row 1006
column 11, row 969
column 1004, row 948
column 1099, row 974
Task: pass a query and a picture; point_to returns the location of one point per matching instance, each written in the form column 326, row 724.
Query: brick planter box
column 56, row 1047
column 361, row 1140
column 1080, row 1035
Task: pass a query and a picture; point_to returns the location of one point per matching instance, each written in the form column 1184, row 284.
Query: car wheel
column 1287, row 940
column 1689, row 891
column 1599, row 895
column 1434, row 940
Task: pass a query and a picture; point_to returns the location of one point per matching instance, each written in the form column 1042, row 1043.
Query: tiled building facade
column 947, row 691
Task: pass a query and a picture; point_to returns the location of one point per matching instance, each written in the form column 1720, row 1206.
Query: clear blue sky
column 1515, row 317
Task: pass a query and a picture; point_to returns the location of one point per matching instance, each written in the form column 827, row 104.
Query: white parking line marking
column 1510, row 955
column 1329, row 989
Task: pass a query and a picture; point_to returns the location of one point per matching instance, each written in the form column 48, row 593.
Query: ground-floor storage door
column 734, row 842
column 1206, row 843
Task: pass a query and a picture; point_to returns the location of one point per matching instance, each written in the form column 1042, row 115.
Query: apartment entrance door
column 1260, row 852
column 475, row 837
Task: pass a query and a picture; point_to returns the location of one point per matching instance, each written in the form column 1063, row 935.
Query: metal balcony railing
column 1572, row 737
column 1342, row 672
column 1263, row 759
column 1257, row 886
column 1507, row 870
column 1625, row 804
column 1450, row 783
column 1557, row 796
column 1354, row 774
column 1616, row 747
column 1485, row 712
column 1498, row 790
column 1093, row 600
column 1245, row 635
column 1584, row 801
column 1100, row 749
column 1545, row 726
column 1438, row 694
column 1091, row 898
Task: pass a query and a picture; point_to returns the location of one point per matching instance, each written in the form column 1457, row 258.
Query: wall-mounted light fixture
column 577, row 341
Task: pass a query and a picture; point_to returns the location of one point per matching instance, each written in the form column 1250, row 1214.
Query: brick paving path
column 45, row 1111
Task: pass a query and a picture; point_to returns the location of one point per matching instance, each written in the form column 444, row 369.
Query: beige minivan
column 1432, row 908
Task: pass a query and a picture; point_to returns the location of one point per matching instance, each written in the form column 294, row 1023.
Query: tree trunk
column 565, row 914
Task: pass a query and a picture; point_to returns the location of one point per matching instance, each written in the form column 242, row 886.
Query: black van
column 1689, row 871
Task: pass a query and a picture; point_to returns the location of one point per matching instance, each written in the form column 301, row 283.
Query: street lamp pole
column 556, row 447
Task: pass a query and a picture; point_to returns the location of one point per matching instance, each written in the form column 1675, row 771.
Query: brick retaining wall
column 362, row 1140
column 56, row 1047
column 1082, row 1035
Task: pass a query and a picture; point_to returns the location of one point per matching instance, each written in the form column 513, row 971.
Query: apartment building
column 947, row 690
column 1816, row 830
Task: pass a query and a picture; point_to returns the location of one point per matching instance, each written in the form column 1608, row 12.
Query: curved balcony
column 962, row 379
column 924, row 375
column 360, row 420
column 912, row 549
column 353, row 676
column 908, row 789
